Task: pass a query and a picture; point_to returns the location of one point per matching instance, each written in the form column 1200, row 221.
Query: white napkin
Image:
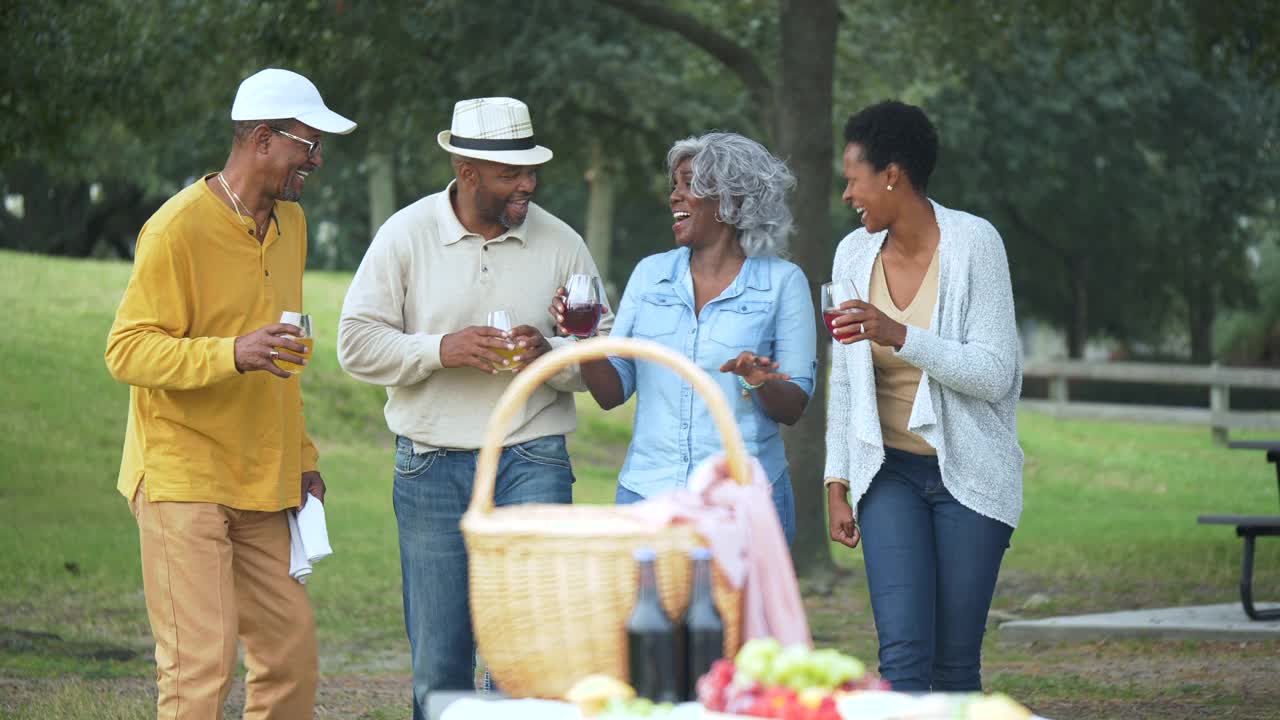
column 315, row 536
column 299, row 568
column 308, row 539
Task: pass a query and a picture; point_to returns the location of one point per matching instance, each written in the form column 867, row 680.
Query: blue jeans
column 931, row 569
column 783, row 501
column 431, row 492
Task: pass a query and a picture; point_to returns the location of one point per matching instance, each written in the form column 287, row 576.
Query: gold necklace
column 236, row 204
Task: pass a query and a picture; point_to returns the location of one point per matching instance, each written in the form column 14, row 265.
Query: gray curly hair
column 750, row 183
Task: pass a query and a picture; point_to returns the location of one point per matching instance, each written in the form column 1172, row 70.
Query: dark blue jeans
column 431, row 492
column 931, row 569
column 783, row 502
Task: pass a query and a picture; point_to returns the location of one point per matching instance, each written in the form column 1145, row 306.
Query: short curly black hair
column 895, row 132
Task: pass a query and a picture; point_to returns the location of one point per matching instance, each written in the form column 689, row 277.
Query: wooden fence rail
column 1220, row 380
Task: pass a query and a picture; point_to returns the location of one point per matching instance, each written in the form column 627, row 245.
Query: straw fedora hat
column 496, row 129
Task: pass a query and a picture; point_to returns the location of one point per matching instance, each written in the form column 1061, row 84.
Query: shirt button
column 484, row 269
column 486, row 248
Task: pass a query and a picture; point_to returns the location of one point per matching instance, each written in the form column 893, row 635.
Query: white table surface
column 471, row 706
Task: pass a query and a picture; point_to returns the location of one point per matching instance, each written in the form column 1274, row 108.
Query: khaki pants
column 211, row 573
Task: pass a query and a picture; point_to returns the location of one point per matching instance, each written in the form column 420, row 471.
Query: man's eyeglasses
column 313, row 146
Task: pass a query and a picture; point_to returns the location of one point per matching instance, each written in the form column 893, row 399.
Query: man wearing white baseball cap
column 417, row 320
column 216, row 450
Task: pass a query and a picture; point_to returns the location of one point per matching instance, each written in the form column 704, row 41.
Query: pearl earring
column 889, row 188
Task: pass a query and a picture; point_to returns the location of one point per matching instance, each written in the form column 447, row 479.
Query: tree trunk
column 113, row 219
column 1201, row 311
column 798, row 111
column 804, row 110
column 1078, row 324
column 55, row 217
column 600, row 196
column 382, row 189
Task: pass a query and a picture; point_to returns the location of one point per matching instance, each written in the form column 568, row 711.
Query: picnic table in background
column 1272, row 448
column 1251, row 527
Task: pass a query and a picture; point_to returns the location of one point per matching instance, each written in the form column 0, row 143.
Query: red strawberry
column 722, row 669
column 827, row 710
column 710, row 693
column 763, row 707
column 739, row 698
column 796, row 710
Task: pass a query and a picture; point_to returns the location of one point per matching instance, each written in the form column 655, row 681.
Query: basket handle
column 595, row 349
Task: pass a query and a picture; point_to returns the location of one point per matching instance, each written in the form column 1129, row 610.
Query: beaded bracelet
column 747, row 387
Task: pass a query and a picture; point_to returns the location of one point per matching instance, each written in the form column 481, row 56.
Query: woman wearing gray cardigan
column 921, row 425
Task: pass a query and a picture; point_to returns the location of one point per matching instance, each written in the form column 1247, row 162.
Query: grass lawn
column 1109, row 524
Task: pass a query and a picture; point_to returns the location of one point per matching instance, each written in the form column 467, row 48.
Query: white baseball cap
column 276, row 94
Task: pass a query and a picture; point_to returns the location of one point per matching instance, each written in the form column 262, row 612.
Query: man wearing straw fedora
column 417, row 320
column 215, row 447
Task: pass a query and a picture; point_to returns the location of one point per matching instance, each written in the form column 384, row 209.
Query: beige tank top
column 898, row 380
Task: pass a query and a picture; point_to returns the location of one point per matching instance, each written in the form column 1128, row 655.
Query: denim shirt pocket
column 740, row 324
column 657, row 314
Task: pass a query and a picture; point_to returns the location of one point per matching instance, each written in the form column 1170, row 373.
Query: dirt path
column 1131, row 679
column 1092, row 681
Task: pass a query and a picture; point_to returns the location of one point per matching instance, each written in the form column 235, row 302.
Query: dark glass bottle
column 704, row 630
column 651, row 638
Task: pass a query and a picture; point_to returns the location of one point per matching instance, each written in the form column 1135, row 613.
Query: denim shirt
column 767, row 310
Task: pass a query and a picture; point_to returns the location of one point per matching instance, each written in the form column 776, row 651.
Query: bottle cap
column 700, row 553
column 645, row 554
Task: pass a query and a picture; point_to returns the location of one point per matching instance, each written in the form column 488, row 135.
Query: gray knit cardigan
column 966, row 406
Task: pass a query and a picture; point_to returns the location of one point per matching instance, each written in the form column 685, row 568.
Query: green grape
column 756, row 658
column 851, row 669
column 833, row 668
column 791, row 668
column 616, row 707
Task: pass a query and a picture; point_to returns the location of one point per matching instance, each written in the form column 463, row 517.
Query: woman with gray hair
column 726, row 300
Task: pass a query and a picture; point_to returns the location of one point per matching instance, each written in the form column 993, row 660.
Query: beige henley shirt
column 424, row 276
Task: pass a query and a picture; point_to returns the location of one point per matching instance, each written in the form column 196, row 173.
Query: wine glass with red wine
column 835, row 294
column 583, row 305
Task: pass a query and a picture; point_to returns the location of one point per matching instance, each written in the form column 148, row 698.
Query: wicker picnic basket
column 552, row 585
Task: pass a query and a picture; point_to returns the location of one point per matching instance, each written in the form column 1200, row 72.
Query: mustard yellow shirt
column 896, row 379
column 199, row 430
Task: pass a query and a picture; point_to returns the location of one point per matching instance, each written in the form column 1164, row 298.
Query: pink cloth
column 747, row 543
